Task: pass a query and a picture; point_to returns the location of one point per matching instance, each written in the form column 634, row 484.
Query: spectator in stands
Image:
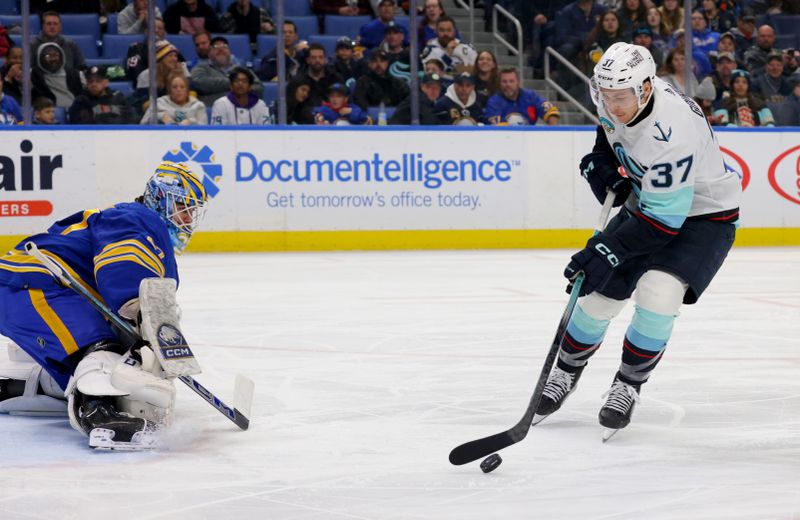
column 703, row 39
column 294, row 54
column 393, row 45
column 487, row 77
column 435, row 66
column 242, row 17
column 98, row 104
column 456, row 55
column 241, row 106
column 137, row 58
column 772, row 86
column 51, row 33
column 704, row 97
column 133, row 19
column 719, row 20
column 744, row 32
column 178, row 106
column 723, row 78
column 543, row 14
column 742, row 108
column 673, row 72
column 701, row 63
column 5, row 42
column 371, row 34
column 791, row 62
column 10, row 113
column 727, row 43
column 573, row 24
column 461, row 105
column 349, row 66
column 516, row 106
column 661, row 35
column 51, row 79
column 211, row 80
column 632, row 14
column 427, row 27
column 190, row 16
column 672, row 15
column 342, row 7
column 44, row 112
column 299, row 109
column 202, row 45
column 336, row 111
column 430, row 91
column 606, row 32
column 756, row 56
column 377, row 86
column 320, row 74
column 167, row 60
column 12, row 73
column 789, row 113
column 644, row 36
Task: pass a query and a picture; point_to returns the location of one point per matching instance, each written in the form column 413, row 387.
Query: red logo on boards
column 740, row 166
column 25, row 208
column 784, row 175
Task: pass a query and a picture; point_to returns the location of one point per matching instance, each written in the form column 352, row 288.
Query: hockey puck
column 491, row 463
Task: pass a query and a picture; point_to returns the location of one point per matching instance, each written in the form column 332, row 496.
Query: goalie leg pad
column 149, row 395
column 26, row 389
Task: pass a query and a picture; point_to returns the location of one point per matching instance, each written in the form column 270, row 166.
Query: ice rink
column 371, row 367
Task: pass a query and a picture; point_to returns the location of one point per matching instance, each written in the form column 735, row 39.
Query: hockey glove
column 597, row 260
column 602, row 173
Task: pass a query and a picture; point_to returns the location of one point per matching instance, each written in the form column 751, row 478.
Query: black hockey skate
column 112, row 430
column 559, row 385
column 618, row 408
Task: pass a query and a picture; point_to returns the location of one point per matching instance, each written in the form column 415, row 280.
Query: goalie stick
column 243, row 388
column 479, row 448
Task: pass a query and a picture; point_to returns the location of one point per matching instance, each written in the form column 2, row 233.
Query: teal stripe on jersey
column 649, row 330
column 585, row 329
column 670, row 208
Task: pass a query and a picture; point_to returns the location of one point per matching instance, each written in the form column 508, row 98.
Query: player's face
column 622, row 104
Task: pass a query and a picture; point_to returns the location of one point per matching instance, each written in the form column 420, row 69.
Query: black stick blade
column 480, row 448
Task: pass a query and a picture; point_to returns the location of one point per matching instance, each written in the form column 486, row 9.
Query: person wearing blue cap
column 337, row 111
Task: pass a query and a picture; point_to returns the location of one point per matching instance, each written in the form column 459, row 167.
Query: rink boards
column 342, row 188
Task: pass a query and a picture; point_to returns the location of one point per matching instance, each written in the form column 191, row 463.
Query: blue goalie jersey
column 108, row 252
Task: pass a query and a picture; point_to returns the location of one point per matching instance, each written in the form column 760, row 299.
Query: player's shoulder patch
column 607, row 125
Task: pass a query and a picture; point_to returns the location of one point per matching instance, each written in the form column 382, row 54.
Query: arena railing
column 549, row 51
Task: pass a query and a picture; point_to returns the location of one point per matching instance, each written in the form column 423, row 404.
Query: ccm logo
column 176, row 352
column 606, row 252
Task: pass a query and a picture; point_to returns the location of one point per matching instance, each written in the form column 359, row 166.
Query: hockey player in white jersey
column 681, row 207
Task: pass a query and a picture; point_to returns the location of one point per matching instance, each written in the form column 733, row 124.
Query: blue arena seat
column 116, row 45
column 297, row 8
column 184, row 43
column 9, row 7
column 85, row 24
column 306, row 25
column 345, row 25
column 111, row 25
column 785, row 41
column 86, row 43
column 9, row 20
column 105, row 62
column 223, row 5
column 239, row 45
column 265, row 43
column 787, row 23
column 326, row 40
column 123, row 86
column 270, row 92
column 61, row 115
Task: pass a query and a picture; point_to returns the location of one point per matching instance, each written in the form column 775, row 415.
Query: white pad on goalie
column 160, row 327
column 137, row 391
column 22, row 367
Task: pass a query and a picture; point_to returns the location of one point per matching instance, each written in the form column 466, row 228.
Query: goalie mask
column 179, row 198
column 624, row 68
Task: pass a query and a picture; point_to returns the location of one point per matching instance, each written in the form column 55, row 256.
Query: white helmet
column 623, row 66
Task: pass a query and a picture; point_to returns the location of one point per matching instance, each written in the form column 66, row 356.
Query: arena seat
column 84, row 24
column 345, row 25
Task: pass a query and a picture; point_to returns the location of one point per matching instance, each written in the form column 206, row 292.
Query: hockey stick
column 243, row 388
column 476, row 449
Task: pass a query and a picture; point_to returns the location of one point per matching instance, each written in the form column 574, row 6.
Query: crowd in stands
column 347, row 62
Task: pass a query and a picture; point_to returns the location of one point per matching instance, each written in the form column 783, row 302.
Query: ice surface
column 371, row 367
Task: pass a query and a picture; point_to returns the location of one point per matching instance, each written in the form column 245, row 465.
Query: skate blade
column 608, row 433
column 103, row 439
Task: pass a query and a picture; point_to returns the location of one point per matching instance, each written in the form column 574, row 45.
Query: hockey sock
column 644, row 344
column 582, row 338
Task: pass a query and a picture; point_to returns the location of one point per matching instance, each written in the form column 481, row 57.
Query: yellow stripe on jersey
column 52, row 320
column 21, row 262
column 130, row 250
column 83, row 224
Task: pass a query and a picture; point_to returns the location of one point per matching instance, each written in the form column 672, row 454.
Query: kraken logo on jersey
column 608, row 126
column 189, row 152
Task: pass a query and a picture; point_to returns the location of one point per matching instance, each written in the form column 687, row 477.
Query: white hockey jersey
column 225, row 112
column 674, row 161
column 464, row 55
